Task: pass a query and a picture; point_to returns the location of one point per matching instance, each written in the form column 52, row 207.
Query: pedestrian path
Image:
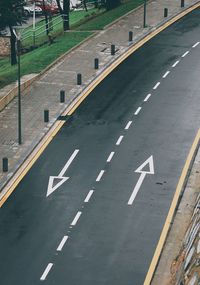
column 44, row 94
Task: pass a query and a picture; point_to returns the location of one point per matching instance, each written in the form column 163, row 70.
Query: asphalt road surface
column 101, row 224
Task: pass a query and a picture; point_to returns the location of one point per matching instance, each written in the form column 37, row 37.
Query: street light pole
column 145, row 12
column 19, row 92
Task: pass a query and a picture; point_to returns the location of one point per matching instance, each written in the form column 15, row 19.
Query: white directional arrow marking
column 150, row 170
column 52, row 186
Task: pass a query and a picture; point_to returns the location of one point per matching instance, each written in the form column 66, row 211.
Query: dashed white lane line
column 147, row 98
column 175, row 64
column 186, row 53
column 128, row 125
column 195, row 45
column 110, row 156
column 62, row 243
column 138, row 111
column 156, row 86
column 166, row 73
column 101, row 173
column 119, row 140
column 46, row 272
column 75, row 220
column 89, row 195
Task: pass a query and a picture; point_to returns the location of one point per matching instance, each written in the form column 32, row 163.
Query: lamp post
column 19, row 87
column 145, row 12
column 19, row 92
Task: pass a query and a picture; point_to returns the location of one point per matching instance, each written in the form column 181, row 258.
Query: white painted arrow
column 52, row 186
column 149, row 165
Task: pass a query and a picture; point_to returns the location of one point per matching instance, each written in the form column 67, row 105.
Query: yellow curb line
column 172, row 210
column 12, row 184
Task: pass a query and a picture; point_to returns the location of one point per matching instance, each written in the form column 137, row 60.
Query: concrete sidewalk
column 44, row 93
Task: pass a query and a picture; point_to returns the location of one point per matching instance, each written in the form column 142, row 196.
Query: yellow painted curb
column 25, row 167
column 172, row 210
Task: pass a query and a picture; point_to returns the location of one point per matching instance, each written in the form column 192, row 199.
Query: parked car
column 47, row 6
column 29, row 10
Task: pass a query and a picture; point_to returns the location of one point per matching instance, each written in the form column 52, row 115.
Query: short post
column 165, row 12
column 96, row 63
column 130, row 36
column 112, row 49
column 182, row 3
column 46, row 116
column 62, row 96
column 79, row 79
column 5, row 164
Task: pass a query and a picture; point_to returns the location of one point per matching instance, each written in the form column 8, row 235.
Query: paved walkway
column 44, row 93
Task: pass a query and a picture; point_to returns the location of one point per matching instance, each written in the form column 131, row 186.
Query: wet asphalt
column 111, row 243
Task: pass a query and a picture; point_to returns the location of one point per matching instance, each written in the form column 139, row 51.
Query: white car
column 29, row 10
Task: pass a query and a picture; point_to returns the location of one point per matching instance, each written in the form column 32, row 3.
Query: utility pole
column 66, row 8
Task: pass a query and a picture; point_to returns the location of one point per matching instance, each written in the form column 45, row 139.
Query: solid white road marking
column 175, row 64
column 156, row 86
column 195, row 45
column 62, row 243
column 75, row 220
column 128, row 125
column 138, row 111
column 100, row 175
column 166, row 73
column 186, row 53
column 51, row 187
column 46, row 272
column 110, row 156
column 147, row 98
column 150, row 170
column 119, row 140
column 89, row 196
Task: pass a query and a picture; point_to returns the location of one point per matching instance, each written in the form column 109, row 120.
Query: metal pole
column 145, row 12
column 34, row 24
column 19, row 92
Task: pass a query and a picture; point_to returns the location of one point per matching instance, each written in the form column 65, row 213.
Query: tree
column 85, row 5
column 64, row 11
column 10, row 16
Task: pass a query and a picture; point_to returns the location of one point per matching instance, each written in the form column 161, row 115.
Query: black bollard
column 182, row 3
column 62, row 96
column 5, row 164
column 46, row 116
column 96, row 63
column 112, row 49
column 165, row 12
column 79, row 79
column 130, row 36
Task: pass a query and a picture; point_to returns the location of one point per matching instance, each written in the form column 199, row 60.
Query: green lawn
column 36, row 60
column 108, row 17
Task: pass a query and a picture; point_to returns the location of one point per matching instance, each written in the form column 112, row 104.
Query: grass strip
column 100, row 21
